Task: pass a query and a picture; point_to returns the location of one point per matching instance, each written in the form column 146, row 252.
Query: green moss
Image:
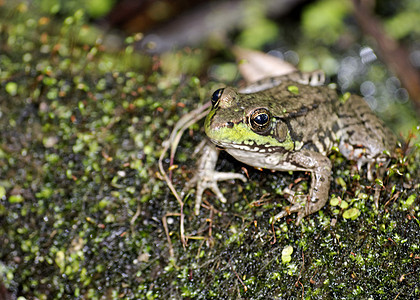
column 16, row 199
column 323, row 20
column 82, row 204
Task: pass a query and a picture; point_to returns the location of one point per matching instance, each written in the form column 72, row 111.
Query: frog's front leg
column 206, row 177
column 320, row 168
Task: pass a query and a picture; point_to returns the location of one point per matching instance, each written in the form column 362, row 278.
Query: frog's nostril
column 229, row 124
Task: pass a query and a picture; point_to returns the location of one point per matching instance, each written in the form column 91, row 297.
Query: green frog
column 290, row 123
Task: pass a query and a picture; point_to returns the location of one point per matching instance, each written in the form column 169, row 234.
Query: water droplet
column 415, row 58
column 402, row 95
column 368, row 88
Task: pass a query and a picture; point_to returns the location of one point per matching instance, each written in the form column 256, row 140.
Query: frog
column 291, row 122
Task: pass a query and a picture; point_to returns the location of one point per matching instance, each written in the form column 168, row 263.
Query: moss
column 82, row 204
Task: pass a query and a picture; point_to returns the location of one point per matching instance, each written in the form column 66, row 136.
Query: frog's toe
column 297, row 207
column 209, row 181
column 201, row 187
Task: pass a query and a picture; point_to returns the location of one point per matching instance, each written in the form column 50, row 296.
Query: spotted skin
column 292, row 125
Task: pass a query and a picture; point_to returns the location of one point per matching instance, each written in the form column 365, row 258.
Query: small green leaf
column 363, row 196
column 334, row 201
column 335, row 149
column 341, row 182
column 2, row 191
column 293, row 89
column 345, row 97
column 288, row 250
column 286, row 258
column 386, row 152
column 344, row 204
column 11, row 88
column 16, row 199
column 60, row 260
column 409, row 202
column 393, row 189
column 379, row 182
column 286, row 254
column 351, row 213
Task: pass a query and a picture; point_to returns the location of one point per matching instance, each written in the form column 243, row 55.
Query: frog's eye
column 259, row 119
column 216, row 96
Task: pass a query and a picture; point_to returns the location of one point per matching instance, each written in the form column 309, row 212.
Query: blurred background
column 370, row 48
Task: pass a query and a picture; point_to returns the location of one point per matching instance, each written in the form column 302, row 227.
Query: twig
column 165, row 226
column 173, row 141
column 237, row 276
column 134, row 218
column 300, row 275
column 274, row 234
column 183, row 123
column 174, row 192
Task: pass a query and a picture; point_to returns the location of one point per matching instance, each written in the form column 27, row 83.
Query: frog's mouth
column 240, row 137
column 251, row 147
column 233, row 145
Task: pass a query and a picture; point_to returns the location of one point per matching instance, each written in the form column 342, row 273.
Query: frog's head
column 246, row 122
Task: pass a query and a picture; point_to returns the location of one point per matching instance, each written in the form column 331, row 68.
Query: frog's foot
column 300, row 205
column 314, row 78
column 320, row 168
column 297, row 202
column 207, row 179
column 297, row 207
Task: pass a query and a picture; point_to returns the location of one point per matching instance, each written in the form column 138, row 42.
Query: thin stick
column 173, row 141
column 237, row 275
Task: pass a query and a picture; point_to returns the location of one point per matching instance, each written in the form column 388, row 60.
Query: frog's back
column 318, row 120
column 362, row 135
column 310, row 113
